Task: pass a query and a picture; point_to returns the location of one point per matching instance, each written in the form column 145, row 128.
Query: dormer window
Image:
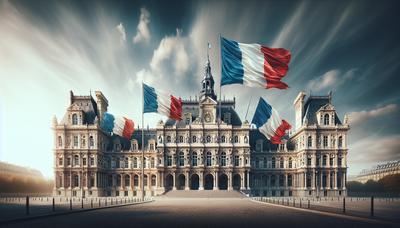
column 259, row 145
column 326, row 119
column 74, row 119
column 227, row 118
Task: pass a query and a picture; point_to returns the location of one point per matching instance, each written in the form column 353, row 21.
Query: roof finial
column 208, row 48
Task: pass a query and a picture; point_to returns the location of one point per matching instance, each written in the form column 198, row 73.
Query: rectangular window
column 339, row 161
column 331, row 161
column 91, row 161
column 68, row 161
column 84, row 161
column 236, row 160
column 75, row 141
column 60, row 161
column 169, row 160
column 308, row 161
column 325, row 141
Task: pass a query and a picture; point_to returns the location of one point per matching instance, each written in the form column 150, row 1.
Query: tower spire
column 207, row 89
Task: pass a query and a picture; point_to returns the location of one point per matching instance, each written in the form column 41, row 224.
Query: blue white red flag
column 253, row 65
column 269, row 123
column 162, row 103
column 118, row 125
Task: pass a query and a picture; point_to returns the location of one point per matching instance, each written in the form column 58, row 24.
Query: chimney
column 102, row 104
column 299, row 109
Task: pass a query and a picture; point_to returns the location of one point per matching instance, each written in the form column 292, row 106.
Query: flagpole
column 248, row 106
column 220, row 82
column 142, row 176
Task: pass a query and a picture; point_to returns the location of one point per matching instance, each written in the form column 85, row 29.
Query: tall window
column 126, row 163
column 273, row 162
column 91, row 141
column 331, row 161
column 289, row 180
column 208, row 138
column 340, row 142
column 309, row 141
column 290, row 163
column 194, row 139
column 181, row 159
column 324, row 160
column 325, row 141
column 74, row 119
column 127, row 180
column 168, row 139
column 259, row 145
column 236, row 160
column 208, row 159
column 75, row 141
column 194, row 159
column 153, row 180
column 60, row 161
column 339, row 161
column 257, row 162
column 135, row 163
column 68, row 161
column 318, row 161
column 152, row 163
column 91, row 160
column 281, row 163
column 223, row 139
column 181, row 139
column 169, row 160
column 223, row 159
column 84, row 161
column 326, row 119
column 236, row 139
column 59, row 141
column 309, row 161
column 281, row 180
column 246, row 139
column 76, row 180
column 136, row 180
column 308, row 181
column 76, row 160
column 273, row 180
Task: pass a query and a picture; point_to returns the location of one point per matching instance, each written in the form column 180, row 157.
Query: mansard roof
column 313, row 105
column 87, row 105
column 148, row 135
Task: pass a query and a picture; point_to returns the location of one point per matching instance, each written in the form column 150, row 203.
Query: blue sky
column 50, row 47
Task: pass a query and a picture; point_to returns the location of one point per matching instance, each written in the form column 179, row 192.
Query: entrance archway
column 194, row 182
column 208, row 182
column 236, row 182
column 169, row 182
column 180, row 185
column 223, row 182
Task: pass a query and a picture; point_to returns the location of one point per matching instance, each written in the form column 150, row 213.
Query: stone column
column 320, row 179
column 230, row 180
column 242, row 181
column 201, row 185
column 187, row 181
column 328, row 181
column 174, row 181
column 215, row 181
column 313, row 180
column 248, row 180
column 335, row 180
column 305, row 180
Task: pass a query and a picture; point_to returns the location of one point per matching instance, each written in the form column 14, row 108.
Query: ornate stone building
column 210, row 149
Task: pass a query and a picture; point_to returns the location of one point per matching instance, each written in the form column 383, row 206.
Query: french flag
column 253, row 65
column 164, row 104
column 118, row 125
column 269, row 123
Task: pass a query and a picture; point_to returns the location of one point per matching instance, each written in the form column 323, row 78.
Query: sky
column 48, row 48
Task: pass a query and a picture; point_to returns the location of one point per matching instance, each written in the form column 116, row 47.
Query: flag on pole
column 269, row 123
column 253, row 65
column 118, row 125
column 162, row 103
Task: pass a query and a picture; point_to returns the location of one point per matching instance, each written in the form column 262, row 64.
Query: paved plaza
column 202, row 212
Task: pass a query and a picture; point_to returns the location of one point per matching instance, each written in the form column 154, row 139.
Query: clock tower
column 207, row 89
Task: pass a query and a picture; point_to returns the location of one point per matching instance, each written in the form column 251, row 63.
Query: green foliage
column 388, row 184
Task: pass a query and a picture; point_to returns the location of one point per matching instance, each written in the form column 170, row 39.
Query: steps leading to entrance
column 202, row 194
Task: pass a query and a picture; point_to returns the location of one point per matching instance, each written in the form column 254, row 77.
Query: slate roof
column 311, row 107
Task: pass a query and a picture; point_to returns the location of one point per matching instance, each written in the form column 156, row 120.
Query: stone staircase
column 203, row 194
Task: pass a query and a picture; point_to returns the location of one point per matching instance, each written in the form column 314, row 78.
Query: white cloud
column 143, row 32
column 121, row 30
column 375, row 149
column 324, row 81
column 171, row 48
column 362, row 116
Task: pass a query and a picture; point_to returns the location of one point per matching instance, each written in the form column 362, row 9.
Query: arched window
column 159, row 139
column 76, row 160
column 236, row 139
column 194, row 139
column 127, row 180
column 91, row 141
column 273, row 162
column 208, row 159
column 181, row 139
column 59, row 141
column 194, row 159
column 223, row 159
column 309, row 141
column 340, row 143
column 246, row 139
column 168, row 139
column 290, row 163
column 208, row 138
column 74, row 119
column 281, row 163
column 326, row 119
column 223, row 138
column 153, row 180
column 136, row 180
column 181, row 158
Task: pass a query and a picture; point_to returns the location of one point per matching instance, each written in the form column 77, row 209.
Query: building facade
column 209, row 149
column 378, row 172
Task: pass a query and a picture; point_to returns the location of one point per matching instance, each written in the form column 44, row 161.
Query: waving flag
column 157, row 101
column 269, row 122
column 253, row 65
column 118, row 125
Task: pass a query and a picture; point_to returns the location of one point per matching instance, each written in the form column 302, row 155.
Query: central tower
column 207, row 89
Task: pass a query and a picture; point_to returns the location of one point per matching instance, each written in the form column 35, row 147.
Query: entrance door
column 223, row 182
column 169, row 182
column 181, row 182
column 208, row 182
column 194, row 182
column 236, row 182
